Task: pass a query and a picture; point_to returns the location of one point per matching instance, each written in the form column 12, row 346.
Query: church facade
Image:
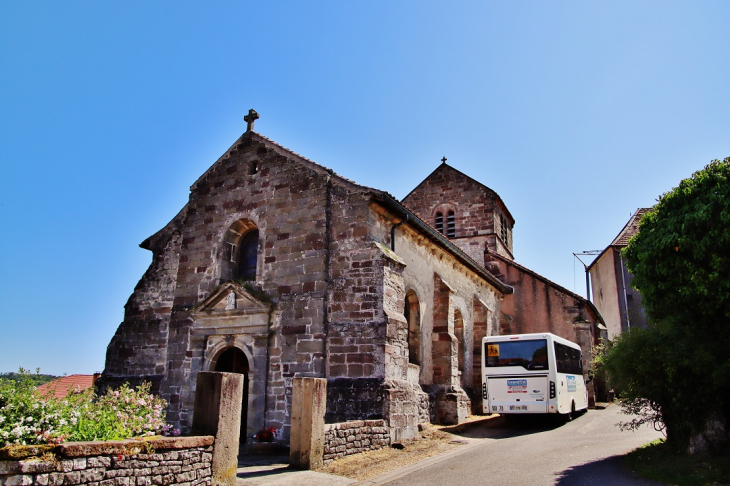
column 277, row 268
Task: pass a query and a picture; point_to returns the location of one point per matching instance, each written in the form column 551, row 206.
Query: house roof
column 629, row 230
column 61, row 387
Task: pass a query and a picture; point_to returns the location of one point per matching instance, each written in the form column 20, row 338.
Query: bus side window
column 568, row 360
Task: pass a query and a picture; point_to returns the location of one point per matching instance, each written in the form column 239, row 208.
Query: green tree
column 677, row 372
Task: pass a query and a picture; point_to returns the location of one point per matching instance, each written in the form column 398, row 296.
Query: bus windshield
column 529, row 354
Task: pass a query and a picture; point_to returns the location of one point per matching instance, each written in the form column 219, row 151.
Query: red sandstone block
column 338, row 370
column 355, row 370
column 361, row 358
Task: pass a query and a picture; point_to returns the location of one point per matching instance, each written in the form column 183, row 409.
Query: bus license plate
column 518, row 407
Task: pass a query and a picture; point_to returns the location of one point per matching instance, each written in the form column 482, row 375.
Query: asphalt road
column 535, row 452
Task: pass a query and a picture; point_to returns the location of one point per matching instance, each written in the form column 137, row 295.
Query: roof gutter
column 409, row 217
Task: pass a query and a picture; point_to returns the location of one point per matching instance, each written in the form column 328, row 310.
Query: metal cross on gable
column 250, row 118
column 443, row 160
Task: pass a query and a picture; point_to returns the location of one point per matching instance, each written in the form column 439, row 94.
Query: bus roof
column 536, row 335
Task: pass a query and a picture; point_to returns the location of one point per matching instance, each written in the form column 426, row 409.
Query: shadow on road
column 260, row 465
column 606, row 472
column 497, row 427
column 274, row 471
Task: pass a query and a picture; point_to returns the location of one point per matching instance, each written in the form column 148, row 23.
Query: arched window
column 440, row 222
column 412, row 313
column 450, row 225
column 239, row 252
column 247, row 255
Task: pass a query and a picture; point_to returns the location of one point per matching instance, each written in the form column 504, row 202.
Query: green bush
column 26, row 418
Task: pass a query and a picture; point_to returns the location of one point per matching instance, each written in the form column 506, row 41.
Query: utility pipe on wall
column 392, row 232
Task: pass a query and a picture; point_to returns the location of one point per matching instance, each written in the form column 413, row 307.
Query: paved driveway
column 536, row 452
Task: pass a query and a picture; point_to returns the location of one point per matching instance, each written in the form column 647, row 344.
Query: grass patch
column 659, row 462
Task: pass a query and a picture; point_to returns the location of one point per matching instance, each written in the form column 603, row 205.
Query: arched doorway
column 233, row 360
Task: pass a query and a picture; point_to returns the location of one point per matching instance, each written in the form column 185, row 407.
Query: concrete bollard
column 218, row 412
column 309, row 404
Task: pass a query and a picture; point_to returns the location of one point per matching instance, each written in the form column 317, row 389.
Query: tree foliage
column 677, row 371
column 37, row 378
column 680, row 257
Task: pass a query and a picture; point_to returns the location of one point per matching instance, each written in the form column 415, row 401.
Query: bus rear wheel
column 570, row 415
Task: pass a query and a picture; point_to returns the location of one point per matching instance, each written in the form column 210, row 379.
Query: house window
column 247, row 255
column 451, row 225
column 440, row 222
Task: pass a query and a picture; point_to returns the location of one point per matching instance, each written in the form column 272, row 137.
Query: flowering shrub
column 24, row 419
column 27, row 418
column 266, row 435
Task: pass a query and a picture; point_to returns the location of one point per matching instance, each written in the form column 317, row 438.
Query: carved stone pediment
column 230, row 299
column 231, row 309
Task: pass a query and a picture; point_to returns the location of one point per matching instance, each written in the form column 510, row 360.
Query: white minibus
column 532, row 373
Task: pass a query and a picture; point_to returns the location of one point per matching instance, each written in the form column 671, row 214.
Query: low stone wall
column 183, row 461
column 347, row 438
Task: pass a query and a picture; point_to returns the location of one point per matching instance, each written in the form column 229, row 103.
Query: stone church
column 277, row 268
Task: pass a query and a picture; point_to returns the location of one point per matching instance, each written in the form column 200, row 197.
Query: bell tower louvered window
column 440, row 222
column 451, row 225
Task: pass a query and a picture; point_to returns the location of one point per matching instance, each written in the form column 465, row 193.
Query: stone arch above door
column 217, row 344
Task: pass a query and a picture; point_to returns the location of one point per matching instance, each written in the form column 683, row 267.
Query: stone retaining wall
column 183, row 461
column 347, row 438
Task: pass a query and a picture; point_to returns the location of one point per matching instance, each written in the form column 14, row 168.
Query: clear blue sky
column 576, row 113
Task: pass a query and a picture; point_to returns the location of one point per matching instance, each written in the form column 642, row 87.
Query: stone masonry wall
column 143, row 335
column 183, row 461
column 477, row 301
column 344, row 439
column 357, row 327
column 423, row 265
